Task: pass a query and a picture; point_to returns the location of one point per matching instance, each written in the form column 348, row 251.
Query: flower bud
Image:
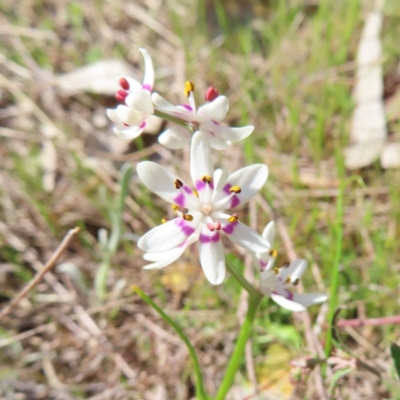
column 124, row 84
column 121, row 95
column 211, row 94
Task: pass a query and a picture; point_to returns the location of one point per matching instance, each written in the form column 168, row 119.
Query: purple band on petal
column 288, row 294
column 147, row 87
column 263, row 264
column 215, row 122
column 187, row 107
column 228, row 229
column 187, row 189
column 209, row 239
column 186, row 229
column 199, row 185
column 180, row 200
column 142, row 125
column 235, row 201
column 226, row 188
column 183, row 244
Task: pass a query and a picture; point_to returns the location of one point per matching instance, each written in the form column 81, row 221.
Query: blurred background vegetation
column 288, row 68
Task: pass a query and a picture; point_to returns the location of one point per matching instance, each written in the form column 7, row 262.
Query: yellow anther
column 206, row 179
column 276, row 270
column 288, row 279
column 178, row 184
column 273, row 253
column 189, row 86
column 164, row 220
column 195, row 192
column 235, row 189
column 188, row 217
column 296, row 282
column 175, row 207
column 233, row 218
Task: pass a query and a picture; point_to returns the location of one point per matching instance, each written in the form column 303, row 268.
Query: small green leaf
column 395, row 352
column 335, row 379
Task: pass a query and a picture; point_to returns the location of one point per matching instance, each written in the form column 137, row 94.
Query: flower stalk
column 237, row 355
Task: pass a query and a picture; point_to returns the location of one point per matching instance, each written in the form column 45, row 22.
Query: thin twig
column 371, row 321
column 39, row 276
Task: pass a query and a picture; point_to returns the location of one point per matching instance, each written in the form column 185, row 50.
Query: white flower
column 130, row 118
column 201, row 211
column 278, row 282
column 206, row 119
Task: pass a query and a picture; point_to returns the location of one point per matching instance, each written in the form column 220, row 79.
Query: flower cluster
column 203, row 208
column 277, row 282
column 138, row 102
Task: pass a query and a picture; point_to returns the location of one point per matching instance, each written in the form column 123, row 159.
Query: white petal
column 245, row 237
column 308, row 299
column 267, row 282
column 148, row 69
column 168, row 254
column 167, row 236
column 169, row 258
column 168, row 108
column 250, row 179
column 140, row 100
column 128, row 134
column 226, row 133
column 220, row 176
column 215, row 110
column 213, row 141
column 286, row 303
column 113, row 115
column 200, row 159
column 269, row 233
column 265, row 262
column 174, row 138
column 295, row 270
column 212, row 256
column 130, row 116
column 133, row 83
column 162, row 182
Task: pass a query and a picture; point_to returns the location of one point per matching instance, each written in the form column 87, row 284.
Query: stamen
column 178, row 183
column 217, row 225
column 189, row 87
column 195, row 192
column 276, row 270
column 124, row 83
column 211, row 94
column 273, row 253
column 175, row 207
column 164, row 220
column 121, row 95
column 188, row 217
column 233, row 218
column 206, row 179
column 296, row 282
column 211, row 226
column 235, row 189
column 286, row 264
column 288, row 279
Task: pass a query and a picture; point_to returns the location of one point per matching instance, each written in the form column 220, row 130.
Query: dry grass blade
column 39, row 276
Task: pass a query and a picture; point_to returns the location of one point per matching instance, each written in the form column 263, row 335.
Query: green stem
column 241, row 279
column 200, row 391
column 170, row 118
column 237, row 355
column 338, row 251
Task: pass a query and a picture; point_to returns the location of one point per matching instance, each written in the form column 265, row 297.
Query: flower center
column 206, row 209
